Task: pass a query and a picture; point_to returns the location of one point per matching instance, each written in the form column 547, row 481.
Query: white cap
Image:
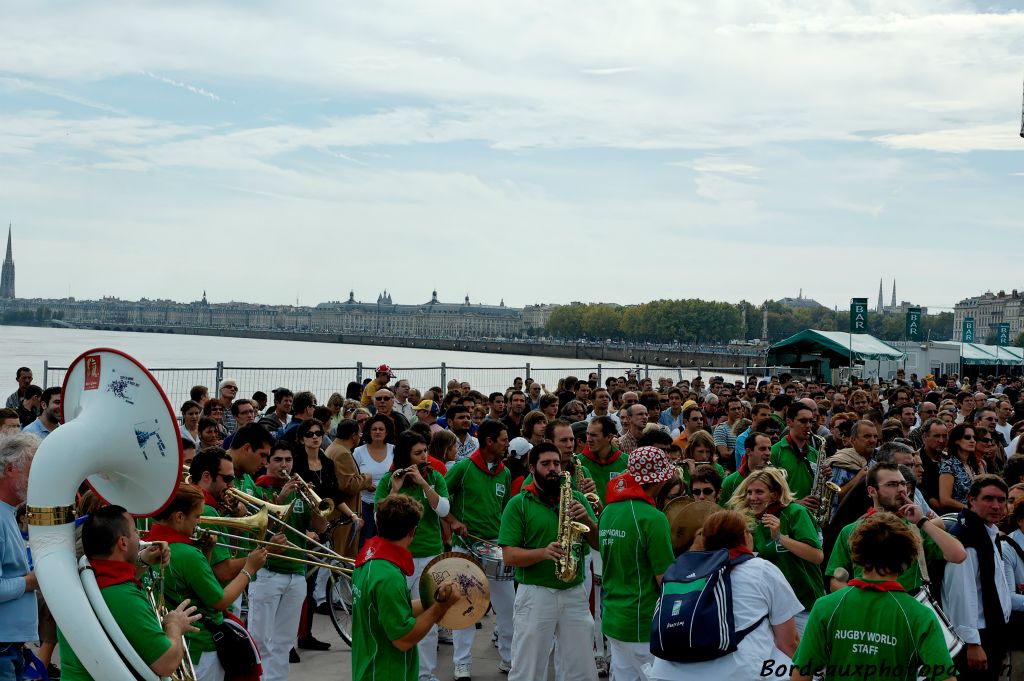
column 519, row 447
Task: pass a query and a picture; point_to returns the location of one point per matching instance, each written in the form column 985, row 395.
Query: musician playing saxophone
column 111, row 544
column 784, row 534
column 547, row 608
column 797, row 456
column 889, row 492
column 873, row 625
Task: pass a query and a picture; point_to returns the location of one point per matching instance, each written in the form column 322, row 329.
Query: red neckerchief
column 744, row 469
column 624, row 487
column 538, row 492
column 876, row 586
column 271, row 481
column 161, row 532
column 111, row 572
column 774, row 509
column 379, row 548
column 799, row 455
column 437, row 464
column 478, row 459
column 210, row 501
column 870, row 512
column 614, row 457
column 738, row 551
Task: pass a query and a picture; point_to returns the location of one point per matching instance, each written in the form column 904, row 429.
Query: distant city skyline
column 721, row 151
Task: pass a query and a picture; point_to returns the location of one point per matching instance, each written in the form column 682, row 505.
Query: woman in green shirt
column 784, row 534
column 411, row 475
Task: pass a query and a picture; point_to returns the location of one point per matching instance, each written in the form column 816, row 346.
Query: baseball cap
column 386, row 369
column 519, row 447
column 428, row 405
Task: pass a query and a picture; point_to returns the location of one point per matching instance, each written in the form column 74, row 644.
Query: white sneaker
column 462, row 672
column 504, row 667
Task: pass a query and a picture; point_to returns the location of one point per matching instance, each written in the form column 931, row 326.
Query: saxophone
column 569, row 533
column 823, row 490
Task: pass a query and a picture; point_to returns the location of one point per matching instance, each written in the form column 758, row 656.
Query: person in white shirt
column 975, row 595
column 402, row 404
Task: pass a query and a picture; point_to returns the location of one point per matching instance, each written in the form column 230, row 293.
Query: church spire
column 894, row 295
column 881, row 305
column 7, row 273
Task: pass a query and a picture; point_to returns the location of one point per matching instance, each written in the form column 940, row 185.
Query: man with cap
column 636, row 549
column 384, row 374
column 426, row 412
column 228, row 392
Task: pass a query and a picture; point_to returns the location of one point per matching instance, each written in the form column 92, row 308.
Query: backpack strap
column 1007, row 539
column 742, row 633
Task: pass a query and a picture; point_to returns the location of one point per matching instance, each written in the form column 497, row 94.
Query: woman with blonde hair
column 784, row 533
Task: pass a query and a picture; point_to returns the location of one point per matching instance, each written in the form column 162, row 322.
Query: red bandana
column 612, row 459
column 478, row 459
column 870, row 512
column 876, row 586
column 111, row 572
column 536, row 491
column 210, row 501
column 379, row 548
column 625, row 487
column 738, row 551
column 799, row 454
column 161, row 532
column 271, row 481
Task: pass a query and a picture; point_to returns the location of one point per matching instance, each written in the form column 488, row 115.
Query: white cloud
column 999, row 137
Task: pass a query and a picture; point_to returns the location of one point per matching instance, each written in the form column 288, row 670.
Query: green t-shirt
column 864, row 634
column 799, row 473
column 602, row 473
column 530, row 523
column 190, row 576
column 636, row 546
column 217, row 553
column 477, row 497
column 137, row 620
column 805, row 577
column 381, row 613
column 729, row 485
column 427, row 540
column 910, row 579
column 300, row 517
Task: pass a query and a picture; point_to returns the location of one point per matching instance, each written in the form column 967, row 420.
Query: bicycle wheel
column 339, row 596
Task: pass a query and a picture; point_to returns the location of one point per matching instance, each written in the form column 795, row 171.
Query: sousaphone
column 119, row 434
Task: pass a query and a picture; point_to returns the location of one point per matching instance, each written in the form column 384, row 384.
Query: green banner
column 914, row 323
column 967, row 332
column 1003, row 333
column 859, row 315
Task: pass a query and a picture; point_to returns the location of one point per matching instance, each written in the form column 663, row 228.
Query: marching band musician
column 277, row 593
column 873, row 624
column 189, row 576
column 413, row 476
column 212, row 472
column 111, row 544
column 636, row 549
column 546, row 608
column 888, row 491
column 784, row 534
column 795, row 455
column 602, row 459
column 480, row 487
column 386, row 624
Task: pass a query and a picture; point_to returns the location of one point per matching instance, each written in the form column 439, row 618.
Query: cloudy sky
column 539, row 151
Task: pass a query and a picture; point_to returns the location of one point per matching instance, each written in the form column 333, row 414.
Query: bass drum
column 953, row 641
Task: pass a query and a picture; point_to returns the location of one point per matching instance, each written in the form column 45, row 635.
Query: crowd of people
column 863, row 527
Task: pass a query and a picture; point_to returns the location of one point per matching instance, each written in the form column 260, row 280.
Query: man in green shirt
column 547, row 608
column 636, row 549
column 757, row 453
column 111, row 543
column 479, row 488
column 601, row 457
column 888, row 492
column 386, row 623
column 795, row 455
column 212, row 472
column 873, row 629
column 277, row 593
column 250, row 447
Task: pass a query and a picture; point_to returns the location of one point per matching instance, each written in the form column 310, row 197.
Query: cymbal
column 685, row 519
column 473, row 589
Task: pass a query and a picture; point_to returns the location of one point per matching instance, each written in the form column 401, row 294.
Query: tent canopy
column 835, row 346
column 977, row 353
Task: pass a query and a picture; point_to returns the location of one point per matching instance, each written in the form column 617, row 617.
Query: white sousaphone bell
column 120, row 434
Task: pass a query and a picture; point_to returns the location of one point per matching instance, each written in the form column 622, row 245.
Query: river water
column 260, row 364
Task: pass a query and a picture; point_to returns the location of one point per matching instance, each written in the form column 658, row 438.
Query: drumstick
column 472, row 536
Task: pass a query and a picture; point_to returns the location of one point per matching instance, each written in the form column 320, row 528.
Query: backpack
column 693, row 619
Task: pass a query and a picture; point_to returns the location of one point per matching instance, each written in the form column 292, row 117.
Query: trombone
column 323, row 507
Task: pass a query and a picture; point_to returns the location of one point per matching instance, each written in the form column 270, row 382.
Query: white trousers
column 544, row 615
column 427, row 646
column 503, row 595
column 275, row 607
column 208, row 668
column 628, row 659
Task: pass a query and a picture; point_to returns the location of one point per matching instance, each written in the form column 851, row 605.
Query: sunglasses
column 382, row 399
column 703, row 491
column 315, row 433
column 986, row 440
column 228, row 479
column 967, row 437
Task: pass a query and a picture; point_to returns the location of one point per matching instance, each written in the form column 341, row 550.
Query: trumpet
column 322, row 507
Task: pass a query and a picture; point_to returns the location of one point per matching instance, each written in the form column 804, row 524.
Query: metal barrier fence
column 323, row 381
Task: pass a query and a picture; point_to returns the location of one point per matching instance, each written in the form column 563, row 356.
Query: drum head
column 471, row 585
column 686, row 519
